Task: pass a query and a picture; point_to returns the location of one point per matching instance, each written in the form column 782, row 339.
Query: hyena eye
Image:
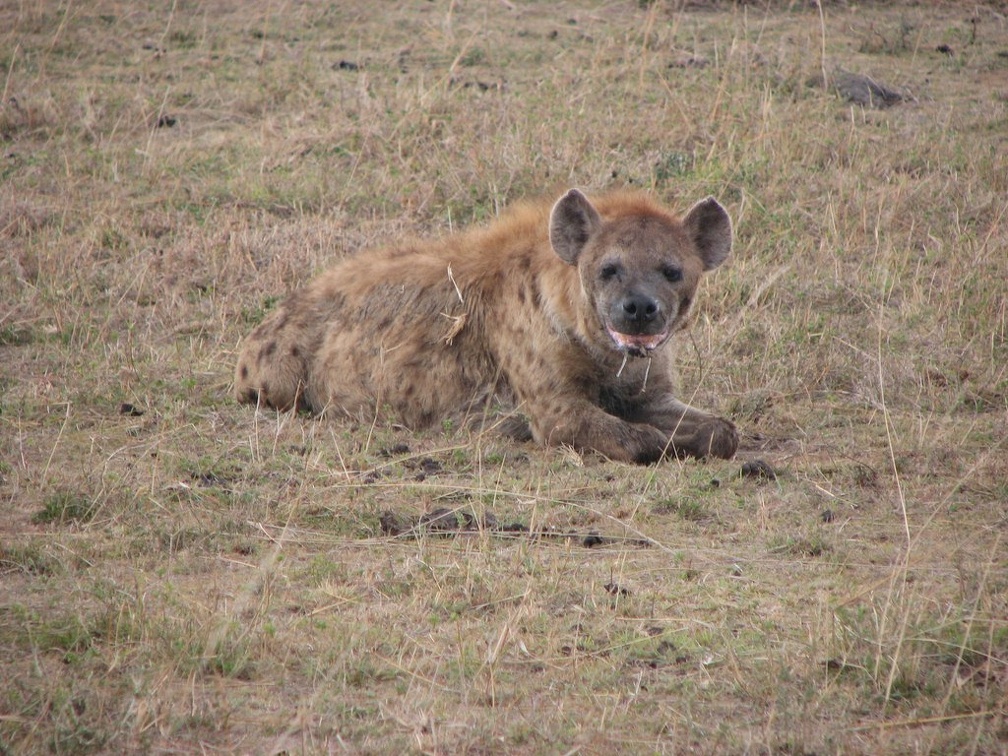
column 609, row 271
column 672, row 273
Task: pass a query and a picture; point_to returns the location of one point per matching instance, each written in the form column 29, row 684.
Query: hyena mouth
column 638, row 344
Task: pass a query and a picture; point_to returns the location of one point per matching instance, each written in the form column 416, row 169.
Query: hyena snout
column 637, row 313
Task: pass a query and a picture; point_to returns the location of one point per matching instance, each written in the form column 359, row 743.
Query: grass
column 181, row 573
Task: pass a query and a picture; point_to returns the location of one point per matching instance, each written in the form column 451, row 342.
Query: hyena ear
column 710, row 228
column 572, row 222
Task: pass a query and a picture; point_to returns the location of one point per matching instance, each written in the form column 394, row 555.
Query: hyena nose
column 639, row 308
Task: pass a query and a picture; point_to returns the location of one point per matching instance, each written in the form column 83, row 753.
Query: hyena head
column 639, row 271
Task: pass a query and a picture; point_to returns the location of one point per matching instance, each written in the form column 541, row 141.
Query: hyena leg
column 273, row 367
column 587, row 427
column 692, row 432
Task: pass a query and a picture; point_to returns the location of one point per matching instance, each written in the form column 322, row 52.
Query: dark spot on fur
column 294, row 351
column 269, row 349
column 536, row 297
column 521, row 295
column 409, row 390
column 243, row 371
column 250, row 396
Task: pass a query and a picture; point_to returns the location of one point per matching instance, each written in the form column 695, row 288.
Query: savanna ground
column 183, row 574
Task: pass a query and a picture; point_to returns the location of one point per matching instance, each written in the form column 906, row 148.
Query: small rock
column 394, row 450
column 430, row 466
column 440, row 520
column 757, row 468
column 592, row 539
column 864, row 90
column 689, row 61
column 393, row 524
column 210, row 480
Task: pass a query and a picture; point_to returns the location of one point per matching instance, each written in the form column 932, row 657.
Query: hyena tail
column 272, row 369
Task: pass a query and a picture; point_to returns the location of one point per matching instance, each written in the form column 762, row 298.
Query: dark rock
column 757, row 468
column 864, row 90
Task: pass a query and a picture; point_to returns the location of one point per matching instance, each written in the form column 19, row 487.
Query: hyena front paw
column 715, row 437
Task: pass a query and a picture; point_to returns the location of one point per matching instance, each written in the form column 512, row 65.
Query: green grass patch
column 64, row 507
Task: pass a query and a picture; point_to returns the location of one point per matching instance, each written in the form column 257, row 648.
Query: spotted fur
column 565, row 310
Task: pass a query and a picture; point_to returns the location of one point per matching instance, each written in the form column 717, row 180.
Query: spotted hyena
column 564, row 311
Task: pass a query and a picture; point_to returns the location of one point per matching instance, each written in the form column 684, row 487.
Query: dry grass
column 179, row 573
